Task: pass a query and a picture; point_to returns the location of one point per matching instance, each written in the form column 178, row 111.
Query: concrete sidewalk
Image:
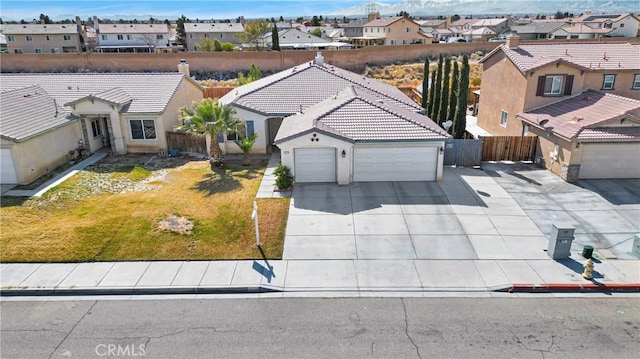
column 396, row 276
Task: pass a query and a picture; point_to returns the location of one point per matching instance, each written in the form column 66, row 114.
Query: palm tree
column 210, row 117
column 245, row 144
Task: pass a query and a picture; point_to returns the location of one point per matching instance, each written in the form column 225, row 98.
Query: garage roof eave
column 415, row 140
column 312, row 130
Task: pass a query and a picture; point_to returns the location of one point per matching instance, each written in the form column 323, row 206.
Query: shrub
column 284, row 179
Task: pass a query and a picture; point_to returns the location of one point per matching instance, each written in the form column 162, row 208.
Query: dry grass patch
column 73, row 223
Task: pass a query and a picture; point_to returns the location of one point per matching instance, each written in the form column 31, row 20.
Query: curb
column 134, row 291
column 577, row 287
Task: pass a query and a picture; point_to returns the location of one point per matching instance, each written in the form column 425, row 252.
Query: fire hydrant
column 588, row 269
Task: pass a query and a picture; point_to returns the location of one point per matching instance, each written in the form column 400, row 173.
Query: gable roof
column 489, row 22
column 298, row 88
column 115, row 96
column 29, row 111
column 589, row 110
column 601, row 17
column 33, row 29
column 213, row 27
column 543, row 27
column 386, row 21
column 356, row 116
column 591, row 57
column 145, row 93
column 296, row 36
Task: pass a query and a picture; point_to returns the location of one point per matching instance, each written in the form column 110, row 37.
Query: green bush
column 227, row 46
column 284, row 179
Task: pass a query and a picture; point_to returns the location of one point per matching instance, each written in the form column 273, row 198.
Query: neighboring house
column 442, row 34
column 44, row 38
column 613, row 25
column 293, row 39
column 45, row 116
column 313, row 112
column 396, row 30
column 480, row 34
column 537, row 30
column 354, row 29
column 520, row 80
column 462, row 25
column 498, row 26
column 429, row 25
column 223, row 32
column 132, row 37
column 3, row 40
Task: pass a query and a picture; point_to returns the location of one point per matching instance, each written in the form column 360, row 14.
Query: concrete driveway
column 501, row 212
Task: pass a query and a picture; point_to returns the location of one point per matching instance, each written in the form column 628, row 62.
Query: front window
column 143, row 129
column 17, row 51
column 608, row 81
column 104, row 37
column 607, row 25
column 11, row 38
column 408, row 29
column 394, row 42
column 67, row 37
column 120, row 37
column 48, row 38
column 38, row 51
column 29, row 38
column 159, row 37
column 96, row 130
column 553, row 85
column 636, row 82
column 129, row 37
column 55, row 50
column 503, row 118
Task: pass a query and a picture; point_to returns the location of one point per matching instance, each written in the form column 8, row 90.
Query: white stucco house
column 43, row 117
column 332, row 125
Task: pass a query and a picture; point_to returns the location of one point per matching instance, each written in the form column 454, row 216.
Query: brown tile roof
column 384, row 22
column 609, row 133
column 116, row 96
column 295, row 89
column 589, row 110
column 591, row 57
column 354, row 115
column 41, row 111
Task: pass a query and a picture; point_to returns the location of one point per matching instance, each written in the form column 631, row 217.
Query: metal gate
column 463, row 153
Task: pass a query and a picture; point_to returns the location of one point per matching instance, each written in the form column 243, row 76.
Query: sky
column 201, row 9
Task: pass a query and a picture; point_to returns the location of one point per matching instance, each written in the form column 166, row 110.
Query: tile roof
column 289, row 91
column 148, row 93
column 538, row 27
column 489, row 22
column 601, row 17
column 355, row 115
column 480, row 31
column 384, row 21
column 116, row 96
column 355, row 23
column 133, row 28
column 591, row 57
column 609, row 133
column 32, row 103
column 588, row 110
column 213, row 27
column 295, row 36
column 33, row 29
column 584, row 29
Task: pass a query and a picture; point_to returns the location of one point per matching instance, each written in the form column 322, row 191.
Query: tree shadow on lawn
column 226, row 178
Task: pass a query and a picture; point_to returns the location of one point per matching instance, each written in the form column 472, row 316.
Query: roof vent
column 319, row 60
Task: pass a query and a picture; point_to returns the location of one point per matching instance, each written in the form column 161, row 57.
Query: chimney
column 587, row 12
column 447, row 23
column 319, row 60
column 513, row 41
column 183, row 67
column 373, row 16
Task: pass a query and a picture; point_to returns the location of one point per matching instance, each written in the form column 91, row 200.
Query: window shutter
column 249, row 128
column 568, row 85
column 220, row 138
column 540, row 89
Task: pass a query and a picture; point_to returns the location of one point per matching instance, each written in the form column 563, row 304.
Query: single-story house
column 43, row 117
column 591, row 135
column 354, row 136
column 282, row 110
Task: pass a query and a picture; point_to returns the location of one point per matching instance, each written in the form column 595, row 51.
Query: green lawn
column 101, row 214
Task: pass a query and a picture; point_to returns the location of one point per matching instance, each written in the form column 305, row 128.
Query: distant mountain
column 485, row 7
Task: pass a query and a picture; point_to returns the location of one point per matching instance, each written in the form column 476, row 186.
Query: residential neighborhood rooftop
column 590, row 109
column 133, row 29
column 596, row 56
column 213, row 27
column 356, row 115
column 33, row 29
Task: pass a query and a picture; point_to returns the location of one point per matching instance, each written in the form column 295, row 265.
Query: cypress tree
column 431, row 93
column 437, row 88
column 275, row 40
column 460, row 121
column 425, row 82
column 444, row 93
column 453, row 99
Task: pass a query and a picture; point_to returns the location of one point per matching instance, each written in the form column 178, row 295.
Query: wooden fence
column 186, row 142
column 462, row 153
column 509, row 148
column 216, row 92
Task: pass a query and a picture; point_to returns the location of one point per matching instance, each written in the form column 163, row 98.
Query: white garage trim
column 315, row 164
column 610, row 160
column 415, row 163
column 7, row 170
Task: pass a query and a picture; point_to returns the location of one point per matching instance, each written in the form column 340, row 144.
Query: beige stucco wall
column 39, row 155
column 193, row 38
column 622, row 86
column 41, row 42
column 101, row 108
column 546, row 145
column 500, row 81
column 343, row 170
column 397, row 32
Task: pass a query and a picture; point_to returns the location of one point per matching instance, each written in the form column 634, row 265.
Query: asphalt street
column 593, row 327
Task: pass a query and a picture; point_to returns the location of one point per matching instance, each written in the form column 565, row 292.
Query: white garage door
column 8, row 171
column 315, row 164
column 610, row 160
column 395, row 164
